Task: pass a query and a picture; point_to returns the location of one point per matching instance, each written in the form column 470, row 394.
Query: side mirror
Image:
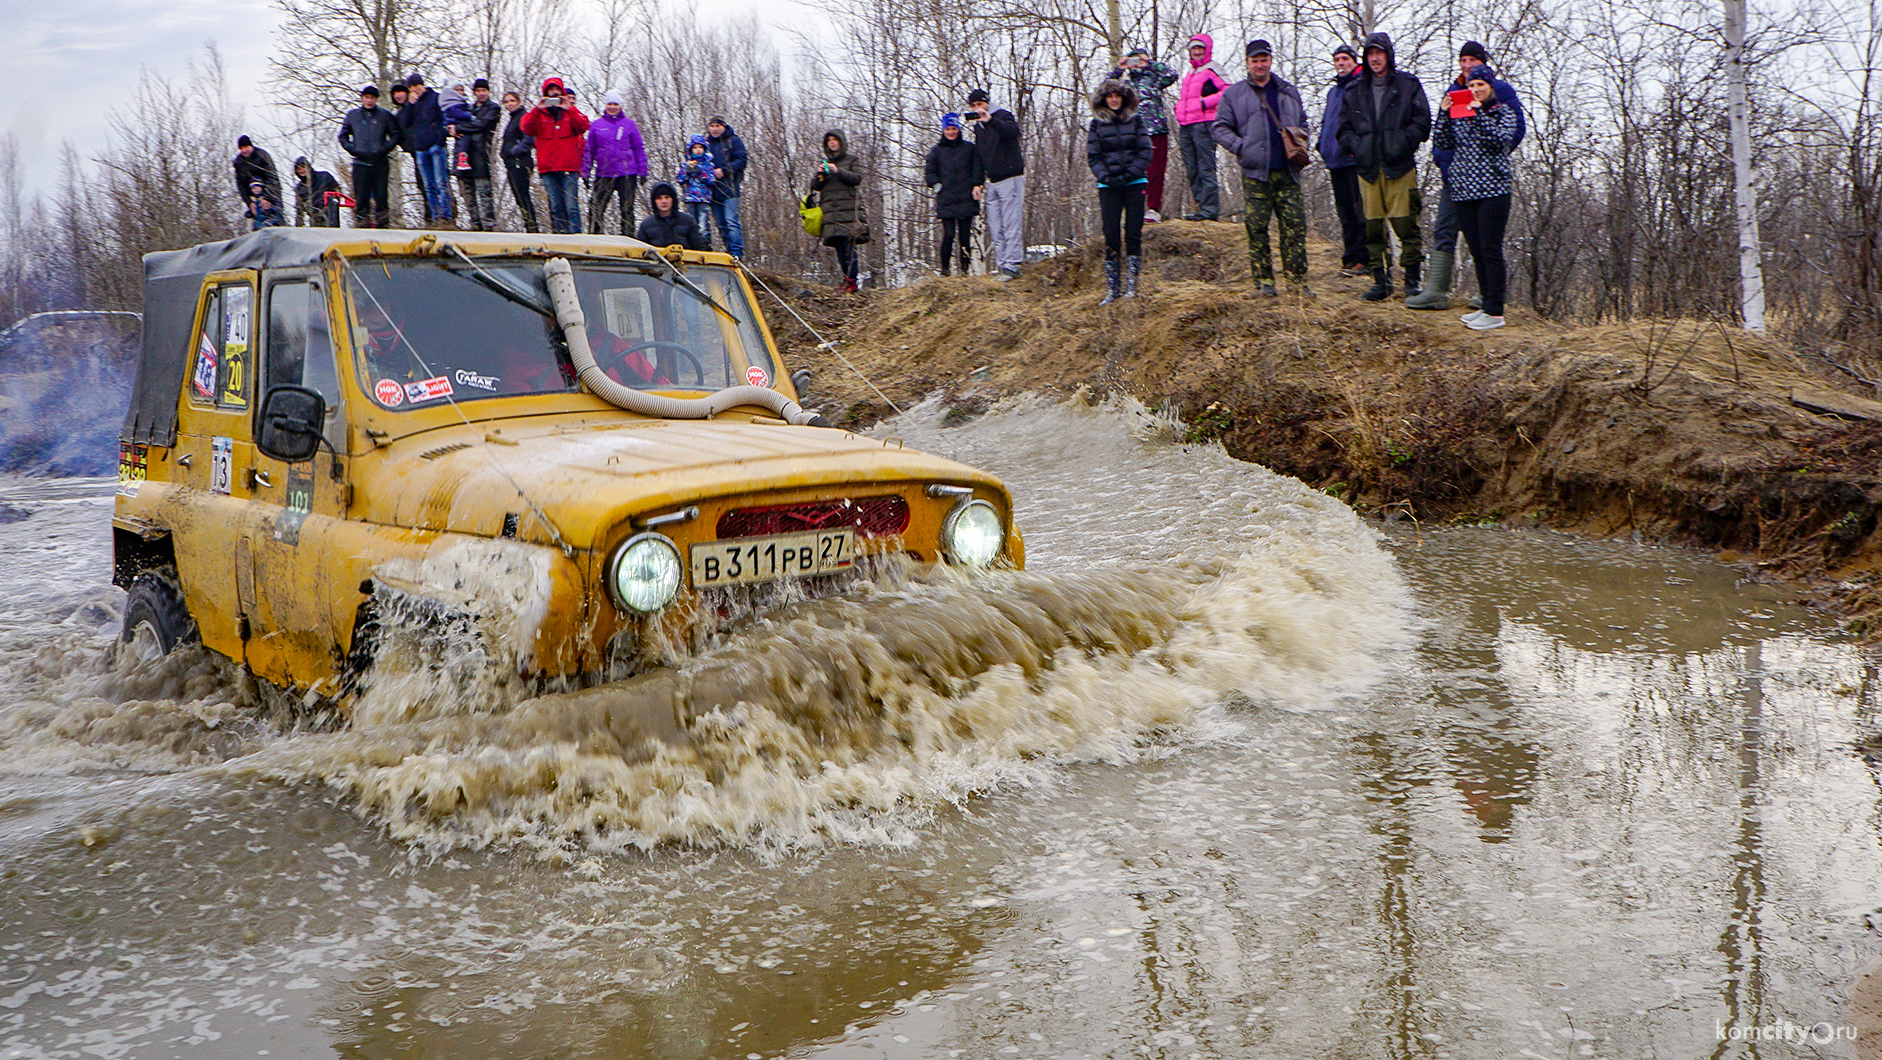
column 800, row 382
column 289, row 426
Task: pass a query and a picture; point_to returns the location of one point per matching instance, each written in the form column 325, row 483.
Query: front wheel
column 155, row 618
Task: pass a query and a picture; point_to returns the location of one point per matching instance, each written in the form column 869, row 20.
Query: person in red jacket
column 558, row 131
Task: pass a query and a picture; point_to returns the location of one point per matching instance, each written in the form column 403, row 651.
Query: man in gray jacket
column 1248, row 121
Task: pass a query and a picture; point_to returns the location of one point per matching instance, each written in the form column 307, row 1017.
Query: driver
column 376, row 336
column 620, row 360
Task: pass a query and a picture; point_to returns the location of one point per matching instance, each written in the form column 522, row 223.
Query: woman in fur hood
column 1117, row 145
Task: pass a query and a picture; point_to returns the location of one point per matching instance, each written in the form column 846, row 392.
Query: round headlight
column 972, row 534
column 644, row 573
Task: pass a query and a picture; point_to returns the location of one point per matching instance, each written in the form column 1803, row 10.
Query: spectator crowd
column 1372, row 122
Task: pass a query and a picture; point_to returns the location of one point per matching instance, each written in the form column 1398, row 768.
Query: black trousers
column 1352, row 215
column 370, row 181
column 1122, row 203
column 846, row 256
column 1482, row 223
column 520, row 172
column 605, row 189
column 962, row 227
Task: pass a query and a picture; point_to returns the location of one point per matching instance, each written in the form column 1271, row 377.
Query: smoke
column 63, row 391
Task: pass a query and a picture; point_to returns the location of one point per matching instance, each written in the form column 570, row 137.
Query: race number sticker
column 428, row 389
column 133, row 468
column 203, row 382
column 389, row 393
column 234, row 348
column 221, row 465
column 756, row 376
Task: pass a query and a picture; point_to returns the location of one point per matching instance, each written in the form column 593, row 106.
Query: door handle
column 184, row 461
column 258, row 477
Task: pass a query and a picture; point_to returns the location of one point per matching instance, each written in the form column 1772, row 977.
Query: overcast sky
column 70, row 62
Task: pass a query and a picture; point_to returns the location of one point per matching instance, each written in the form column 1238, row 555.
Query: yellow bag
column 811, row 214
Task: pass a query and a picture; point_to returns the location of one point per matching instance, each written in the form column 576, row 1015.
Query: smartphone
column 1460, row 102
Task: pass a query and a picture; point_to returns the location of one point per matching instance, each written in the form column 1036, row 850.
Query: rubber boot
column 1412, row 287
column 1134, row 266
column 1437, row 292
column 1112, row 290
column 1381, row 288
column 944, row 266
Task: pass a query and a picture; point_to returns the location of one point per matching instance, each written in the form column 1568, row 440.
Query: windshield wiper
column 522, row 296
column 671, row 274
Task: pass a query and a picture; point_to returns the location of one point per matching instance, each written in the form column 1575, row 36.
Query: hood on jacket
column 554, row 82
column 302, row 161
column 452, row 97
column 1122, row 88
column 663, row 187
column 698, row 140
column 1383, row 42
column 842, row 139
column 1208, row 49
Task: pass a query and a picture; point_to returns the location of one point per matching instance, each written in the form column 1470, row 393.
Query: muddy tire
column 155, row 618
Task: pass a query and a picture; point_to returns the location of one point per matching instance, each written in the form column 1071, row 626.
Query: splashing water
column 1177, row 589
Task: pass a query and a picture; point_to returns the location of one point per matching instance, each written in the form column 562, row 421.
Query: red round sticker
column 389, row 393
column 756, row 376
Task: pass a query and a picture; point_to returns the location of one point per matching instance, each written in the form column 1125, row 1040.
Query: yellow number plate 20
column 761, row 559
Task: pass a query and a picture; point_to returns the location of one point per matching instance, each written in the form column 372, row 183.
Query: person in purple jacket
column 613, row 155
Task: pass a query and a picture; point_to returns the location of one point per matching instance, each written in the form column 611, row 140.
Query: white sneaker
column 1472, row 317
column 1484, row 322
column 1152, row 216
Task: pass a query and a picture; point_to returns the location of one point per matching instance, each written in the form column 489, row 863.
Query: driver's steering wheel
column 619, row 361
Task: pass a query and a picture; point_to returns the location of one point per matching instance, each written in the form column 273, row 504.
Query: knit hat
column 1136, row 52
column 1475, row 50
column 414, row 80
column 370, row 90
column 1347, row 50
column 244, row 141
column 482, row 82
column 718, row 119
column 398, row 86
column 613, row 95
column 978, row 95
column 950, row 120
column 1259, row 47
column 1481, row 72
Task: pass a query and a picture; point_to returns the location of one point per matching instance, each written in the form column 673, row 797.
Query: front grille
column 884, row 516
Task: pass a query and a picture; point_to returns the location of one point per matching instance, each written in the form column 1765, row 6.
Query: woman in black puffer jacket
column 954, row 174
column 1117, row 145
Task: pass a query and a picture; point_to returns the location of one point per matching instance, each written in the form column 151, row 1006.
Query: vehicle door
column 292, row 632
column 213, row 446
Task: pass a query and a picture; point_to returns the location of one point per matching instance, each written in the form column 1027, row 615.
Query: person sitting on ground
column 668, row 225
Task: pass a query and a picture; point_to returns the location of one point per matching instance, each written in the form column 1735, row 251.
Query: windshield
column 435, row 330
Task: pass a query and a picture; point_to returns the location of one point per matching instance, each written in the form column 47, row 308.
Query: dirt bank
column 1675, row 432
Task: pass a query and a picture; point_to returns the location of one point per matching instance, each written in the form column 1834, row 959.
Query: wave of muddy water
column 1224, row 773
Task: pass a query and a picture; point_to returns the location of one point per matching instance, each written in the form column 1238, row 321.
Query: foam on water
column 1174, row 587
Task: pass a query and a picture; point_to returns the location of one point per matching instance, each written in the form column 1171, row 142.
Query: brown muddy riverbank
column 1679, row 432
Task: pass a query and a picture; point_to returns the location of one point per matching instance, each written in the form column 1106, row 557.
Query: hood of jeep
column 586, row 477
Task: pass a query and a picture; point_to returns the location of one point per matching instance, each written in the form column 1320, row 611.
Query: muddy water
column 1225, row 773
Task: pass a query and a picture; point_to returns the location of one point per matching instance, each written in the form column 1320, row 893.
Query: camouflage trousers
column 1279, row 196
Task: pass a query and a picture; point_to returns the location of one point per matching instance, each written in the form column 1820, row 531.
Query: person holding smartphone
column 838, row 185
column 557, row 128
column 1480, row 187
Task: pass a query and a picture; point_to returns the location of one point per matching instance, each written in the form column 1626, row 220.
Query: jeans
column 1444, row 228
column 1124, row 202
column 370, row 181
column 565, row 203
column 1199, row 161
column 431, row 162
column 1005, row 201
column 950, row 228
column 519, row 171
column 1352, row 215
column 1483, row 222
column 1280, row 197
column 605, row 189
column 731, row 233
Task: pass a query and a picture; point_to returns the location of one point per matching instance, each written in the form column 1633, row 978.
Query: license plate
column 761, row 559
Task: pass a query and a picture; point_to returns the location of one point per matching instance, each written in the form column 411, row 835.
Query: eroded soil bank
column 1679, row 432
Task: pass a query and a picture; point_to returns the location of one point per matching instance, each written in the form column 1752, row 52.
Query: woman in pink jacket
column 1195, row 113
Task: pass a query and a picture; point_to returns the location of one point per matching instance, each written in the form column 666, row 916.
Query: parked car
column 575, row 450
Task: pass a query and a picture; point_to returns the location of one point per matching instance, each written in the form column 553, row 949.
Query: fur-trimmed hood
column 1122, row 88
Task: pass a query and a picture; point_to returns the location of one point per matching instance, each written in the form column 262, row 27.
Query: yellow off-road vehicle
column 577, row 449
